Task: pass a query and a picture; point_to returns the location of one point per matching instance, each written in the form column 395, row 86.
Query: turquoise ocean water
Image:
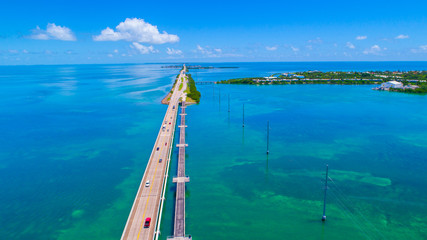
column 76, row 140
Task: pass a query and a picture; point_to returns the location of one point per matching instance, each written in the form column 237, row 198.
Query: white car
column 147, row 184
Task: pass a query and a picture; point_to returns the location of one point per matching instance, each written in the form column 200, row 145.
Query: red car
column 166, row 144
column 169, row 123
column 147, row 222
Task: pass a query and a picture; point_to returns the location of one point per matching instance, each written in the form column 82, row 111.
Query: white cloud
column 143, row 49
column 375, row 50
column 110, row 55
column 210, row 52
column 13, row 51
column 205, row 51
column 116, row 51
column 401, row 36
column 202, row 50
column 318, row 40
column 213, row 52
column 136, row 30
column 25, row 51
column 294, row 49
column 350, row 45
column 172, row 51
column 420, row 49
column 53, row 32
column 361, row 37
column 273, row 48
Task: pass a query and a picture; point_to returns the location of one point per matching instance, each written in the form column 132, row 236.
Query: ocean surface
column 75, row 141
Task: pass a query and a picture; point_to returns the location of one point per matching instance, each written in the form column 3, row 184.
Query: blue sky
column 69, row 32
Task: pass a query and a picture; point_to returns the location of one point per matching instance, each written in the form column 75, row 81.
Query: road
column 147, row 200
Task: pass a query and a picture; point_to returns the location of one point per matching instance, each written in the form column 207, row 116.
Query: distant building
column 391, row 84
column 288, row 74
column 395, row 84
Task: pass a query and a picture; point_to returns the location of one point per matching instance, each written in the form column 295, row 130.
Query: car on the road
column 147, row 222
column 147, row 183
column 160, row 160
column 166, row 144
column 169, row 123
column 158, row 148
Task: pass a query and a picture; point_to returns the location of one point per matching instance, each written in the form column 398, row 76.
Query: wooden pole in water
column 268, row 135
column 324, row 197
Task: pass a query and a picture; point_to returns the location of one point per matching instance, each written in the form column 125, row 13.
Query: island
column 396, row 81
column 193, row 95
column 196, row 67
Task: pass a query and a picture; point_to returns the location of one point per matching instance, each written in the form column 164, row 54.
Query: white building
column 392, row 84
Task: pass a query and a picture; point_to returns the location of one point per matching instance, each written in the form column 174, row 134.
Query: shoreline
column 166, row 99
column 191, row 92
column 399, row 81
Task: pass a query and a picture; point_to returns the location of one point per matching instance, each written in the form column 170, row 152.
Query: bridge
column 144, row 218
column 180, row 180
column 204, row 82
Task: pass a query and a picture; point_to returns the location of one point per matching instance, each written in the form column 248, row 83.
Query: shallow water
column 76, row 140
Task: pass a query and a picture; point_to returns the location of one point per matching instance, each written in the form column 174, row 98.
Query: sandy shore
column 166, row 99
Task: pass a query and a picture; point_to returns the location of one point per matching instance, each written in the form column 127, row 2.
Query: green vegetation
column 239, row 81
column 369, row 75
column 180, row 70
column 173, row 86
column 192, row 90
column 255, row 81
column 422, row 89
column 417, row 78
column 180, row 86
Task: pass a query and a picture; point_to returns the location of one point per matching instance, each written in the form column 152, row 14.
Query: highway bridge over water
column 181, row 179
column 145, row 216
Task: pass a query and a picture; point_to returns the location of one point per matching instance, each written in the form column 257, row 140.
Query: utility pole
column 243, row 115
column 268, row 135
column 324, row 198
column 219, row 97
column 228, row 102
